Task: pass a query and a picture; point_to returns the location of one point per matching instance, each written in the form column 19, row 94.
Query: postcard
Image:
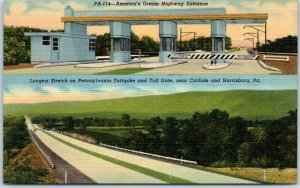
column 148, row 92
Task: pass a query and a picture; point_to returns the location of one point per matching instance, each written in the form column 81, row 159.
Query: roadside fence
column 92, row 141
column 48, row 159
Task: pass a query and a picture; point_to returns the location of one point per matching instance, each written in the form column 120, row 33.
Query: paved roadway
column 74, row 176
column 192, row 67
column 104, row 172
column 69, row 69
column 99, row 170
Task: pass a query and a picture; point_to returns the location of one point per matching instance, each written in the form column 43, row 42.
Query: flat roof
column 148, row 12
column 153, row 16
column 57, row 34
column 180, row 19
column 163, row 17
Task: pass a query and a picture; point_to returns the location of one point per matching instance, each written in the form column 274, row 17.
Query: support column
column 218, row 35
column 74, row 27
column 69, row 12
column 168, row 40
column 120, row 33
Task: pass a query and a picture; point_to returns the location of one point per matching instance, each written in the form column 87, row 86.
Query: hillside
column 249, row 104
column 28, row 167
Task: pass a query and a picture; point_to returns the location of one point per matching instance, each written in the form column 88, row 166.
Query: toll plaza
column 74, row 45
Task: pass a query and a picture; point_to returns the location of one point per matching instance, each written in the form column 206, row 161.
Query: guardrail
column 276, row 58
column 150, row 154
column 131, row 151
column 91, row 141
column 48, row 159
column 278, row 53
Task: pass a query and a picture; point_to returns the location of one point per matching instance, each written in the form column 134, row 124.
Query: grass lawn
column 125, row 71
column 273, row 175
column 143, row 170
column 248, row 104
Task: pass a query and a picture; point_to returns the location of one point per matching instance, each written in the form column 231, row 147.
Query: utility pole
column 254, row 35
column 251, row 40
column 180, row 44
column 183, row 34
column 266, row 37
column 202, row 41
column 256, row 27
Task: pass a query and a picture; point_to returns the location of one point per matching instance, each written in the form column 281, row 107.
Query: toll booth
column 168, row 40
column 120, row 34
column 218, row 35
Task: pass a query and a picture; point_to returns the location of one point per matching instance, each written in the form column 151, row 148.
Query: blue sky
column 18, row 89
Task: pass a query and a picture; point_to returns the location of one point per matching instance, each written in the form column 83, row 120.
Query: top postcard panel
column 150, row 37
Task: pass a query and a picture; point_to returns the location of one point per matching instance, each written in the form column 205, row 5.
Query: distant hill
column 248, row 104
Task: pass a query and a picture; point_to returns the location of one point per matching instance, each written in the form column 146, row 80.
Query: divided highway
column 107, row 166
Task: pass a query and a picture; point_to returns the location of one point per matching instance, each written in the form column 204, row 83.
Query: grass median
column 152, row 173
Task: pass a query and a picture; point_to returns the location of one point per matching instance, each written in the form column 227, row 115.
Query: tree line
column 143, row 44
column 212, row 139
column 288, row 44
column 202, row 43
column 17, row 45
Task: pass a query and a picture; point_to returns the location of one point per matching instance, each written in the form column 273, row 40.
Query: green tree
column 228, row 43
column 103, row 45
column 153, row 136
column 135, row 140
column 170, row 137
column 125, row 120
column 15, row 52
column 16, row 135
column 244, row 154
column 69, row 122
column 147, row 44
column 135, row 42
column 17, row 45
column 288, row 44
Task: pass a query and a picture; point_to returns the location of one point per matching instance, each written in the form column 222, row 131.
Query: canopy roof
column 153, row 16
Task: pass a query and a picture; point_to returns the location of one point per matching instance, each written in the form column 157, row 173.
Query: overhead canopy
column 149, row 17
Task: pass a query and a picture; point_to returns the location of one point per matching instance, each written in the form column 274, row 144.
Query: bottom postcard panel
column 227, row 129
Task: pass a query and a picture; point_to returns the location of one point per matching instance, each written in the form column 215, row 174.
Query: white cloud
column 26, row 95
column 59, row 6
column 18, row 7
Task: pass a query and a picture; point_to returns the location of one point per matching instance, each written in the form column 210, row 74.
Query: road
column 104, row 172
column 74, row 176
column 193, row 66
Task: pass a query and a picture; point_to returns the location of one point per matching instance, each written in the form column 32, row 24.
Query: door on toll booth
column 55, row 50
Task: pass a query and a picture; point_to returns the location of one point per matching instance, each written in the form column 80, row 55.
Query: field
column 245, row 103
column 272, row 175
